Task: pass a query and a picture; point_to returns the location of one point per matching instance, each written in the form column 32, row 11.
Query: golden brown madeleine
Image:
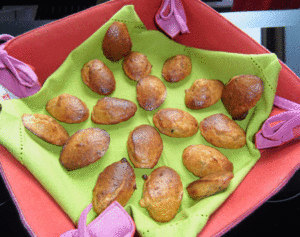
column 221, row 131
column 241, row 94
column 116, row 43
column 136, row 66
column 144, row 146
column 203, row 93
column 209, row 185
column 115, row 183
column 151, row 92
column 84, row 147
column 162, row 194
column 68, row 108
column 175, row 122
column 46, row 128
column 110, row 110
column 98, row 77
column 177, row 68
column 202, row 160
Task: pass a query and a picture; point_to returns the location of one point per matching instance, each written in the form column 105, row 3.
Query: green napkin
column 73, row 190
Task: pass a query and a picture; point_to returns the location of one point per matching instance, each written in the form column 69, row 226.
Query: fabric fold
column 171, row 18
column 113, row 221
column 280, row 128
column 16, row 76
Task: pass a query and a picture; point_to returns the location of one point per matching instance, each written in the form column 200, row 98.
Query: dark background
column 279, row 216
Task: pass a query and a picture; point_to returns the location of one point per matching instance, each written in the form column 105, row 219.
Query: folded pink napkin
column 171, row 18
column 280, row 128
column 15, row 76
column 114, row 221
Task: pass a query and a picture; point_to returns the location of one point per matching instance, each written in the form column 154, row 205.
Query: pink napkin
column 280, row 128
column 171, row 18
column 15, row 76
column 114, row 221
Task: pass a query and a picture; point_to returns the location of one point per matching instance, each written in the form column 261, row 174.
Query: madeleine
column 116, row 43
column 115, row 183
column 241, row 94
column 203, row 93
column 68, row 108
column 46, row 128
column 221, row 131
column 162, row 194
column 98, row 77
column 151, row 93
column 175, row 122
column 144, row 146
column 110, row 110
column 84, row 147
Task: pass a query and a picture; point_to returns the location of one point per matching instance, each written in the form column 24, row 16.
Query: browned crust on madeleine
column 144, row 146
column 136, row 66
column 209, row 185
column 151, row 92
column 221, row 131
column 115, row 183
column 116, row 43
column 175, row 122
column 68, row 108
column 111, row 110
column 241, row 94
column 46, row 128
column 203, row 93
column 162, row 194
column 98, row 77
column 203, row 160
column 84, row 147
column 177, row 68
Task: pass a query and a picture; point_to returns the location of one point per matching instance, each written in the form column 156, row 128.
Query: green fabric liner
column 73, row 190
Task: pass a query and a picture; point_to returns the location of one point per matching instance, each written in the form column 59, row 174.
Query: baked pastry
column 136, row 66
column 203, row 93
column 203, row 160
column 241, row 94
column 68, row 108
column 84, row 147
column 162, row 194
column 209, row 185
column 46, row 128
column 151, row 92
column 98, row 77
column 175, row 122
column 177, row 68
column 110, row 110
column 115, row 183
column 144, row 146
column 116, row 43
column 221, row 131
